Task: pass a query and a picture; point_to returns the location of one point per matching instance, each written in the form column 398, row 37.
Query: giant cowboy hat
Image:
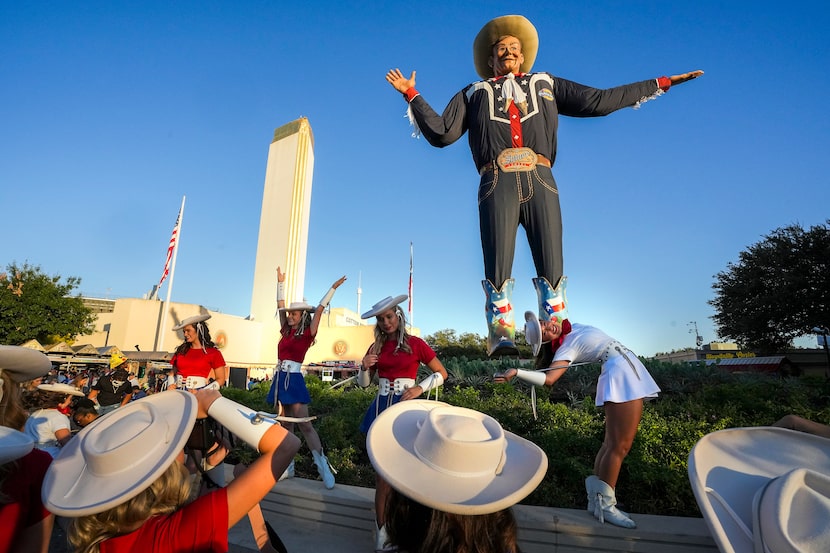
column 385, row 304
column 118, row 456
column 299, row 306
column 13, row 444
column 506, row 25
column 453, row 459
column 192, row 321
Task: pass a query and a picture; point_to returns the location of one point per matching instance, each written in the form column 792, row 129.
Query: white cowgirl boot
column 288, row 472
column 591, row 490
column 605, row 509
column 501, row 327
column 324, row 469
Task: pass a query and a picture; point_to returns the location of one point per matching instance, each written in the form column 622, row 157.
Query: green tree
column 778, row 290
column 36, row 305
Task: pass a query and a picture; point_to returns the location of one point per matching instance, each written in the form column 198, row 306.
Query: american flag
column 173, row 238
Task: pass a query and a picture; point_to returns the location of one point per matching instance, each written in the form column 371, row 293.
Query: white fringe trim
column 645, row 99
column 416, row 130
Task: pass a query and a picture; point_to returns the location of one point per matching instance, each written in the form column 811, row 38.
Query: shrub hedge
column 696, row 400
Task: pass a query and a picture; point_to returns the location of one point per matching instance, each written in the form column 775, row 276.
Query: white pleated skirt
column 624, row 378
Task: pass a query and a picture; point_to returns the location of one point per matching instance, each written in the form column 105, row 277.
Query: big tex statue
column 511, row 120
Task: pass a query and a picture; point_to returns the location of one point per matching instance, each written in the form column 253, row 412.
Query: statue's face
column 507, row 56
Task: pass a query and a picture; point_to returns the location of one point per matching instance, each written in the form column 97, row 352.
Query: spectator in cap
column 25, row 524
column 114, row 390
column 395, row 357
column 454, row 474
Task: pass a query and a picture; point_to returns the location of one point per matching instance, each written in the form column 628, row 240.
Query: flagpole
column 411, row 315
column 178, row 234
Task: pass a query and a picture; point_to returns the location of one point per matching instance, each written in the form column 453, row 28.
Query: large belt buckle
column 194, row 382
column 512, row 160
column 401, row 384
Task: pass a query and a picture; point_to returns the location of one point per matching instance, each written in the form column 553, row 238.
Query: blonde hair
column 403, row 336
column 166, row 495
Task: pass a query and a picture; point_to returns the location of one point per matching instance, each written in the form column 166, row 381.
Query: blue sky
column 110, row 112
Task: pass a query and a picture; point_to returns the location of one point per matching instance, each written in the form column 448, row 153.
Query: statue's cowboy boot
column 552, row 302
column 501, row 326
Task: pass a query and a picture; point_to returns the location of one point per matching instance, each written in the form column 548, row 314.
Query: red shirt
column 198, row 363
column 22, row 487
column 294, row 348
column 200, row 526
column 393, row 365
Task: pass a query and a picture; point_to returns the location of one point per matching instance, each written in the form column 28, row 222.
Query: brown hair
column 415, row 528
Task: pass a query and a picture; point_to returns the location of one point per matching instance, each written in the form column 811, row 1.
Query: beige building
column 132, row 325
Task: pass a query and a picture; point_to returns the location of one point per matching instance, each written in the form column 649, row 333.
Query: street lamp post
column 823, row 330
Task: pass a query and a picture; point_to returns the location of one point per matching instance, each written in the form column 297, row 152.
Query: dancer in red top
column 396, row 357
column 298, row 330
column 198, row 363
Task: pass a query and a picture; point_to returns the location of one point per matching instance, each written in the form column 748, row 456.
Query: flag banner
column 170, row 248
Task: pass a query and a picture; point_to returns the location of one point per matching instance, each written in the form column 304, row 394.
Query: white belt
column 290, row 366
column 196, row 383
column 616, row 349
column 398, row 385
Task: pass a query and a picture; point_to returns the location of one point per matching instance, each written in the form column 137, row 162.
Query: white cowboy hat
column 790, row 513
column 119, row 455
column 23, row 364
column 192, row 321
column 384, row 305
column 533, row 332
column 61, row 389
column 299, row 306
column 13, row 444
column 727, row 468
column 453, row 459
column 506, row 25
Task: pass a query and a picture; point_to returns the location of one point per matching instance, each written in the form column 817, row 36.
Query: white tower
column 283, row 225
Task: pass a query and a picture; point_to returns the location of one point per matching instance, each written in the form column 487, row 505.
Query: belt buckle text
column 512, row 160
